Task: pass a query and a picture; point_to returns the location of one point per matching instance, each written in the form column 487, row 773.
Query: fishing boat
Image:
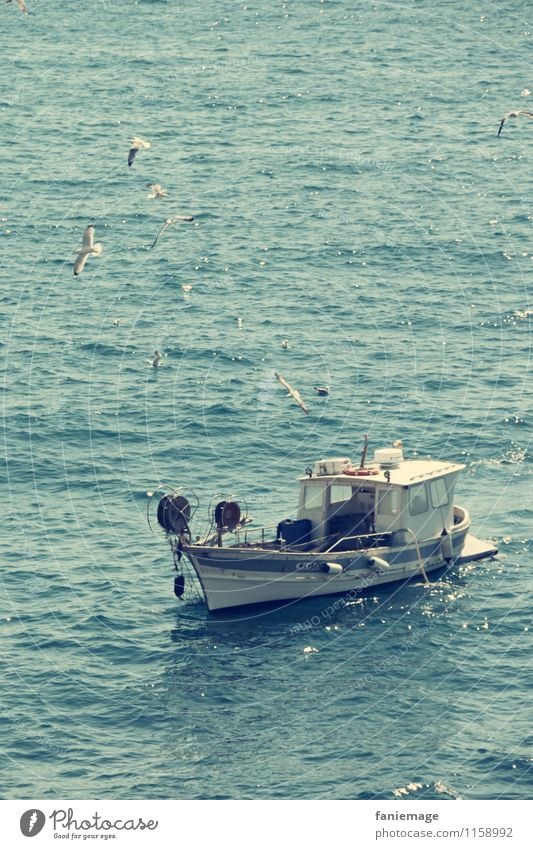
column 355, row 527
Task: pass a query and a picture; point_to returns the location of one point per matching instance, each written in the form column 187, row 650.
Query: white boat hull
column 237, row 576
column 224, row 588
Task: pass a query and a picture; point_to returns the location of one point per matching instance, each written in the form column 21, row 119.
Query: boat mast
column 363, row 452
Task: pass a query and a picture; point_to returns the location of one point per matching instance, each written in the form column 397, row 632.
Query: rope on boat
column 187, row 585
column 420, row 561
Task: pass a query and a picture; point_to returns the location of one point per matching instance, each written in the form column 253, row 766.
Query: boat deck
column 475, row 549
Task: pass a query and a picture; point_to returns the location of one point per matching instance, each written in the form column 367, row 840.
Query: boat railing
column 244, row 534
column 268, row 535
column 361, row 540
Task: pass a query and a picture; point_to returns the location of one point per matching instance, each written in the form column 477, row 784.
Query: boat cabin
column 388, row 502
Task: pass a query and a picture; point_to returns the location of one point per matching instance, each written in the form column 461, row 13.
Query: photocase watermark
column 383, row 666
column 32, row 822
column 221, row 66
column 329, row 611
column 66, row 824
column 236, row 64
column 65, row 819
column 323, row 153
column 34, row 736
column 267, row 390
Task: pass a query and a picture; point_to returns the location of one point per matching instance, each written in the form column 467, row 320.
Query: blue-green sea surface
column 350, row 195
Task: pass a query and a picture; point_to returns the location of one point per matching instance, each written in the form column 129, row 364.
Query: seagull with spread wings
column 168, row 222
column 514, row 115
column 88, row 247
column 157, row 191
column 137, row 144
column 21, row 4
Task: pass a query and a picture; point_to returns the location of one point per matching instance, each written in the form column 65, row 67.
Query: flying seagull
column 21, row 4
column 156, row 360
column 321, row 390
column 137, row 145
column 514, row 115
column 87, row 247
column 157, row 191
column 168, row 222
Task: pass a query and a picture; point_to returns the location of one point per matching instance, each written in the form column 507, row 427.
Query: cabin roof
column 407, row 473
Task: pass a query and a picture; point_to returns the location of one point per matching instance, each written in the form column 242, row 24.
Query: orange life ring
column 361, row 472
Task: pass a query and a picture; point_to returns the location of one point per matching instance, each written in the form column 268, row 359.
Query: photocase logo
column 32, row 822
column 266, row 399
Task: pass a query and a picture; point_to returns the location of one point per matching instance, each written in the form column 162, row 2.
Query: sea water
column 350, row 195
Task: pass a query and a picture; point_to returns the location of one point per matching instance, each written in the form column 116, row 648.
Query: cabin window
column 439, row 493
column 418, row 499
column 389, row 502
column 338, row 493
column 313, row 497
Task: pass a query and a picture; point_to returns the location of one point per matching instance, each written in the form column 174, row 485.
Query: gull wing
column 161, row 230
column 502, row 122
column 21, row 4
column 157, row 191
column 170, row 221
column 79, row 265
column 136, row 145
column 88, row 238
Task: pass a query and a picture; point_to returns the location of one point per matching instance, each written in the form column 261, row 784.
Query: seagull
column 285, row 344
column 116, row 322
column 157, row 191
column 168, row 222
column 321, row 390
column 87, row 247
column 22, row 6
column 514, row 115
column 136, row 145
column 156, row 360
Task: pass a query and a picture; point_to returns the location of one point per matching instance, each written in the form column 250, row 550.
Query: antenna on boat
column 363, row 452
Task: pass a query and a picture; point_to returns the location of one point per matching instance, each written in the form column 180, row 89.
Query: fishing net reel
column 174, row 512
column 226, row 514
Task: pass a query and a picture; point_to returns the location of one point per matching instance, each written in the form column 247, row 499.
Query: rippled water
column 350, row 195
